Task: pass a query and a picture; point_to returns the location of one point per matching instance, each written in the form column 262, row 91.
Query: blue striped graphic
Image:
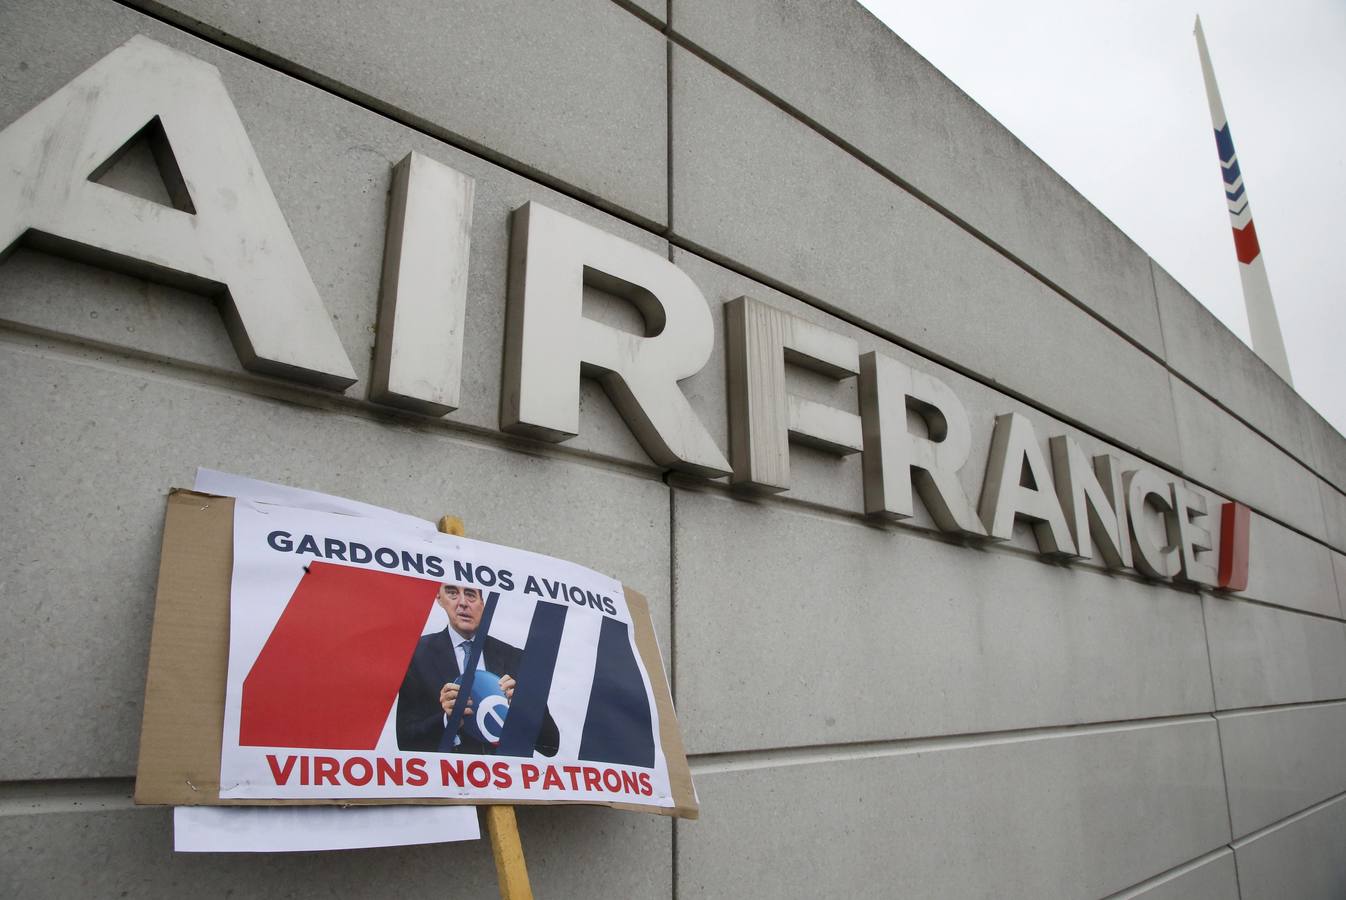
column 529, row 706
column 1225, row 142
column 1235, row 195
column 618, row 727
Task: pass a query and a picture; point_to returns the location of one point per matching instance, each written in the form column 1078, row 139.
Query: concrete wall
column 980, row 722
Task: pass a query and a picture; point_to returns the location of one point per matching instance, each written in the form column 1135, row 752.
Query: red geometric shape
column 330, row 670
column 1245, row 243
column 1235, row 519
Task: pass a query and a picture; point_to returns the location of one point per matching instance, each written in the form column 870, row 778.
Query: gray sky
column 1110, row 95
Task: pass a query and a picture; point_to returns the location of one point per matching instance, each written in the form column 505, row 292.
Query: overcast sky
column 1110, row 95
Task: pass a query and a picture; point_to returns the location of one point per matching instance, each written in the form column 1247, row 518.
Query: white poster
column 288, row 828
column 370, row 661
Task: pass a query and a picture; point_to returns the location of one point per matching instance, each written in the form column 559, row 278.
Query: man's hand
column 448, row 695
column 507, row 685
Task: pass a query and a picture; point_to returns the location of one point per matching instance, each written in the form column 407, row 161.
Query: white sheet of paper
column 210, row 481
column 270, row 829
column 263, row 828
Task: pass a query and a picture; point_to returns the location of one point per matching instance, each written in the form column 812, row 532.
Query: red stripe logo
column 1234, row 522
column 329, row 673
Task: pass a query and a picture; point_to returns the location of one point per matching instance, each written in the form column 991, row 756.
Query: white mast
column 1262, row 321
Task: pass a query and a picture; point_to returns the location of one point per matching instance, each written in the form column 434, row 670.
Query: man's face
column 464, row 606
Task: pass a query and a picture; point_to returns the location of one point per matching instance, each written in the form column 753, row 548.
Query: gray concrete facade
column 977, row 720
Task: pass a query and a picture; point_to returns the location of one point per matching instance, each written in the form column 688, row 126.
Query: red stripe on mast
column 1245, row 243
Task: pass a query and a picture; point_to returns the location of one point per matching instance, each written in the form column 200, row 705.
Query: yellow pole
column 510, row 868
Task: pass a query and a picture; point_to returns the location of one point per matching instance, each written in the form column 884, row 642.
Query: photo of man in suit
column 428, row 693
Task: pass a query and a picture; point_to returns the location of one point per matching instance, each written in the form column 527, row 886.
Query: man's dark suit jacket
column 420, row 718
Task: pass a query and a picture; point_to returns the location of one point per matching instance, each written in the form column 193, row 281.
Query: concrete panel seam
column 1296, row 529
column 1232, row 413
column 672, row 605
column 1322, row 508
column 904, row 528
column 1288, row 820
column 668, row 131
column 672, row 592
column 290, row 69
column 853, row 151
column 673, row 637
column 1154, row 291
column 781, row 757
column 1222, row 714
column 1219, row 739
column 1168, row 875
column 643, row 15
column 24, row 798
column 1237, row 417
column 1341, row 590
column 1234, row 598
column 901, row 527
column 80, row 351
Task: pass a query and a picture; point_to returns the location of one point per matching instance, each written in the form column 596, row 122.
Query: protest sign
column 237, row 828
column 344, row 680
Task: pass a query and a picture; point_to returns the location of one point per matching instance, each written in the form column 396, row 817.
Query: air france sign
column 225, row 235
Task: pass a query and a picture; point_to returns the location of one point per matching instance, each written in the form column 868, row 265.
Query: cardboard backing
column 182, row 729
